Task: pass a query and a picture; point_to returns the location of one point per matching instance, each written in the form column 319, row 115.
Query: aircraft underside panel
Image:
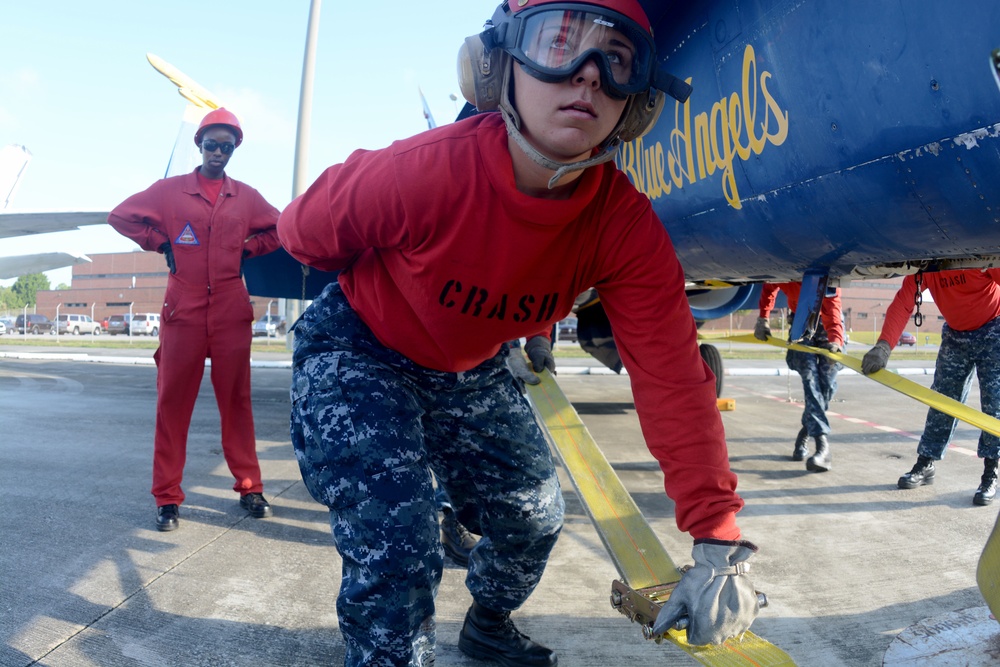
column 824, row 135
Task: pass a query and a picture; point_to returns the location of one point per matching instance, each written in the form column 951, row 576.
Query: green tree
column 8, row 301
column 28, row 285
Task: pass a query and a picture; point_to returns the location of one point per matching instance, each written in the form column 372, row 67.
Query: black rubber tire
column 713, row 358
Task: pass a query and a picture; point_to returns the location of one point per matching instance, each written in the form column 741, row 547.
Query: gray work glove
column 539, row 351
column 716, row 595
column 518, row 367
column 833, row 347
column 168, row 254
column 762, row 329
column 876, row 358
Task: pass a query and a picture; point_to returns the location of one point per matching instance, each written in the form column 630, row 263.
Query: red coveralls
column 206, row 313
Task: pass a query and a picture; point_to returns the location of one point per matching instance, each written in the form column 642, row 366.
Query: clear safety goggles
column 553, row 41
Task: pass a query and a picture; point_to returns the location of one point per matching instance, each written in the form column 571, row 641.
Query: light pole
column 294, row 307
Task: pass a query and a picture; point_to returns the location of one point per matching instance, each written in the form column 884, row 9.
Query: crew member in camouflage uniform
column 452, row 243
column 969, row 300
column 818, row 373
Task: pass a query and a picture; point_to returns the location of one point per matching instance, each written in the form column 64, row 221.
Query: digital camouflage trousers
column 961, row 353
column 370, row 429
column 819, row 384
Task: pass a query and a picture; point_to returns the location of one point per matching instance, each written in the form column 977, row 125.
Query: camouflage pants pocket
column 323, row 435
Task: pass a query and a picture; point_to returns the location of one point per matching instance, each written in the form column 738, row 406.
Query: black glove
column 876, row 358
column 715, row 595
column 243, row 258
column 168, row 254
column 833, row 347
column 761, row 330
column 539, row 351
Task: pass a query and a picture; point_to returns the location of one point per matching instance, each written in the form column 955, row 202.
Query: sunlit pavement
column 847, row 560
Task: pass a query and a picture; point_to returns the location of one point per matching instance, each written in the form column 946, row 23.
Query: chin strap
column 606, row 150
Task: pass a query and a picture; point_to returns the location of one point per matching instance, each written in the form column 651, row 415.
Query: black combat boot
column 921, row 473
column 799, row 453
column 988, row 489
column 457, row 541
column 491, row 635
column 166, row 517
column 821, row 461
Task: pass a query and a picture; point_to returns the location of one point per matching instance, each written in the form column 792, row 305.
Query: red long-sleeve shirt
column 967, row 298
column 445, row 260
column 829, row 313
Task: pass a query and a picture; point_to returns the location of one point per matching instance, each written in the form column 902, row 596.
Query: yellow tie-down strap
column 628, row 538
column 939, row 402
column 988, row 571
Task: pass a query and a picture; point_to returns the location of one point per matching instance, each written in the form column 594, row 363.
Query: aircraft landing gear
column 713, row 358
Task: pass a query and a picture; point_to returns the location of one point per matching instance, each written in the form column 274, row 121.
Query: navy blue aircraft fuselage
column 824, row 139
column 847, row 138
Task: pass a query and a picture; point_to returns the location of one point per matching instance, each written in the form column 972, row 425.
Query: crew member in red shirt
column 451, row 243
column 969, row 300
column 205, row 223
column 818, row 373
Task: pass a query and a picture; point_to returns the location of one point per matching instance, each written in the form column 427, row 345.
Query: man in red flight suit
column 205, row 224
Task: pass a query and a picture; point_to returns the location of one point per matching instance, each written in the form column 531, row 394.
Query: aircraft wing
column 12, row 267
column 13, row 163
column 26, row 223
column 14, row 160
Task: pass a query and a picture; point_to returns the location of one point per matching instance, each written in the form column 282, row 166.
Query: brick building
column 119, row 283
column 112, row 282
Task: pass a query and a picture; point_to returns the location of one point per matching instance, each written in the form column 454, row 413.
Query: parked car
column 36, row 324
column 270, row 325
column 907, row 339
column 145, row 324
column 8, row 323
column 3, row 327
column 71, row 323
column 118, row 324
column 566, row 330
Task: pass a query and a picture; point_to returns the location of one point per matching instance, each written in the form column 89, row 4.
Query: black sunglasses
column 211, row 145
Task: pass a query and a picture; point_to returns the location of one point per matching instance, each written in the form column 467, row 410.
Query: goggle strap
column 606, row 151
column 678, row 89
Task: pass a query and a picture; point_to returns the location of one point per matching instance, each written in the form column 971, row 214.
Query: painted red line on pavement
column 855, row 420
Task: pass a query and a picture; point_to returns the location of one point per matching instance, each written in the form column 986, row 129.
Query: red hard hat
column 630, row 8
column 220, row 116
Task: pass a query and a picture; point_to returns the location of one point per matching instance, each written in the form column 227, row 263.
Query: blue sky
column 76, row 89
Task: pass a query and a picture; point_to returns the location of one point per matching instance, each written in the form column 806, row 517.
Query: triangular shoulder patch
column 187, row 236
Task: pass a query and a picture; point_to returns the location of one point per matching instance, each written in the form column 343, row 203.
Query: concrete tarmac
column 848, row 560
